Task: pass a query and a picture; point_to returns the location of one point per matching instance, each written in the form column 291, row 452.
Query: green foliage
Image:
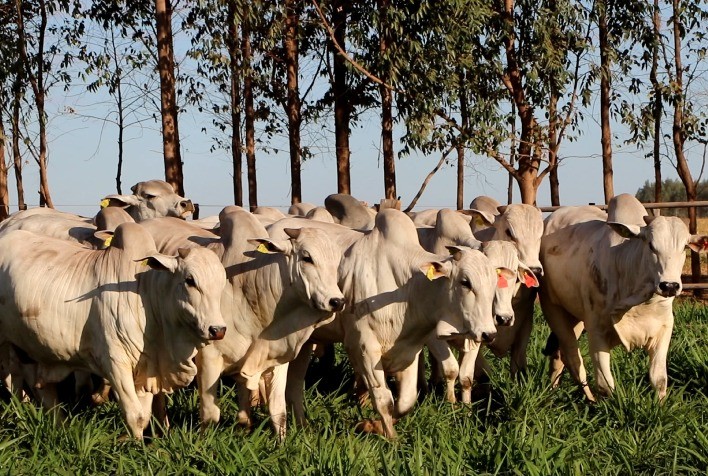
column 519, row 427
column 672, row 190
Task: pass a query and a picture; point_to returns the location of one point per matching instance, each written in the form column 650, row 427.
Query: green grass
column 519, row 428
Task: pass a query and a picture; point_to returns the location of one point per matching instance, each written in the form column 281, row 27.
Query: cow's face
column 522, row 225
column 151, row 199
column 505, row 259
column 662, row 244
column 314, row 264
column 471, row 283
column 198, row 280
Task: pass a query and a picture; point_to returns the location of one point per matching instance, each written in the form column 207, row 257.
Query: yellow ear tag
column 262, row 248
column 105, row 202
column 431, row 273
column 478, row 220
column 144, row 262
column 107, row 241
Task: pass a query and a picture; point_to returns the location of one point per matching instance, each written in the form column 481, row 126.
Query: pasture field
column 520, row 428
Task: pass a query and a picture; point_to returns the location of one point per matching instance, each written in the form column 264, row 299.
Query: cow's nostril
column 488, row 336
column 537, row 270
column 337, row 304
column 217, row 332
column 503, row 320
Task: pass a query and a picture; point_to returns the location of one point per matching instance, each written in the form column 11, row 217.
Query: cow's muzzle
column 669, row 289
column 217, row 332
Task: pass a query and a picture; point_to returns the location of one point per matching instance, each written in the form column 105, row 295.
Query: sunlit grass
column 520, row 427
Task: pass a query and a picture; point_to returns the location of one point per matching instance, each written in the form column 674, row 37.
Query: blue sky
column 83, row 157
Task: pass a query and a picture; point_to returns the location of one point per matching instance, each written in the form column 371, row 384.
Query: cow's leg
column 275, row 395
column 443, row 355
column 600, row 353
column 468, row 365
column 407, row 389
column 210, row 363
column 523, row 324
column 658, row 351
column 366, row 360
column 159, row 412
column 295, row 386
column 131, row 406
column 567, row 329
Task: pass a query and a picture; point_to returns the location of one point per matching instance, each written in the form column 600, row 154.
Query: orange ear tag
column 705, row 245
column 431, row 273
column 529, row 280
column 501, row 280
column 262, row 248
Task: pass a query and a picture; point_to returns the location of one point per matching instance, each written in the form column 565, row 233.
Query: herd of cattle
column 148, row 300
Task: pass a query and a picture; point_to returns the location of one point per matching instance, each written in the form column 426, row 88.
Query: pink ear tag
column 501, row 280
column 530, row 280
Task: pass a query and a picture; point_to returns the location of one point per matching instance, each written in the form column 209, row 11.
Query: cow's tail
column 552, row 345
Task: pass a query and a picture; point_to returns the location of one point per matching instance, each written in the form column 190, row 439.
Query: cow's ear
column 436, row 269
column 504, row 277
column 119, row 201
column 624, row 230
column 698, row 243
column 268, row 246
column 527, row 276
column 105, row 237
column 479, row 218
column 455, row 252
column 293, row 233
column 160, row 262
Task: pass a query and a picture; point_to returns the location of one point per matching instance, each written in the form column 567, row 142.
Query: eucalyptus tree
column 45, row 31
column 483, row 67
column 114, row 61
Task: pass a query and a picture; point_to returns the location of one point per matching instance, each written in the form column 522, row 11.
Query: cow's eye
column 307, row 258
column 148, row 196
column 466, row 283
column 190, row 282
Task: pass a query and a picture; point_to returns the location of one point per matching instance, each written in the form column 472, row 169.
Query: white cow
column 151, row 199
column 66, row 226
column 452, row 229
column 136, row 323
column 522, row 225
column 615, row 280
column 274, row 299
column 397, row 296
column 349, row 211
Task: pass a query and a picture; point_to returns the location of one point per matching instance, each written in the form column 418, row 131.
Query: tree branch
column 346, row 56
column 428, row 178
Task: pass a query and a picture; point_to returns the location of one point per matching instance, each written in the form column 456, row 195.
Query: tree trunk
column 4, row 196
column 512, row 157
column 18, row 92
column 386, row 105
column 528, row 163
column 658, row 105
column 606, row 137
column 250, row 112
column 465, row 124
column 553, row 147
column 235, row 77
column 678, row 137
column 168, row 96
column 118, row 84
column 342, row 100
column 293, row 105
column 37, row 83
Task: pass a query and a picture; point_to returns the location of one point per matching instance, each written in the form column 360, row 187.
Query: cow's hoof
column 370, row 426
